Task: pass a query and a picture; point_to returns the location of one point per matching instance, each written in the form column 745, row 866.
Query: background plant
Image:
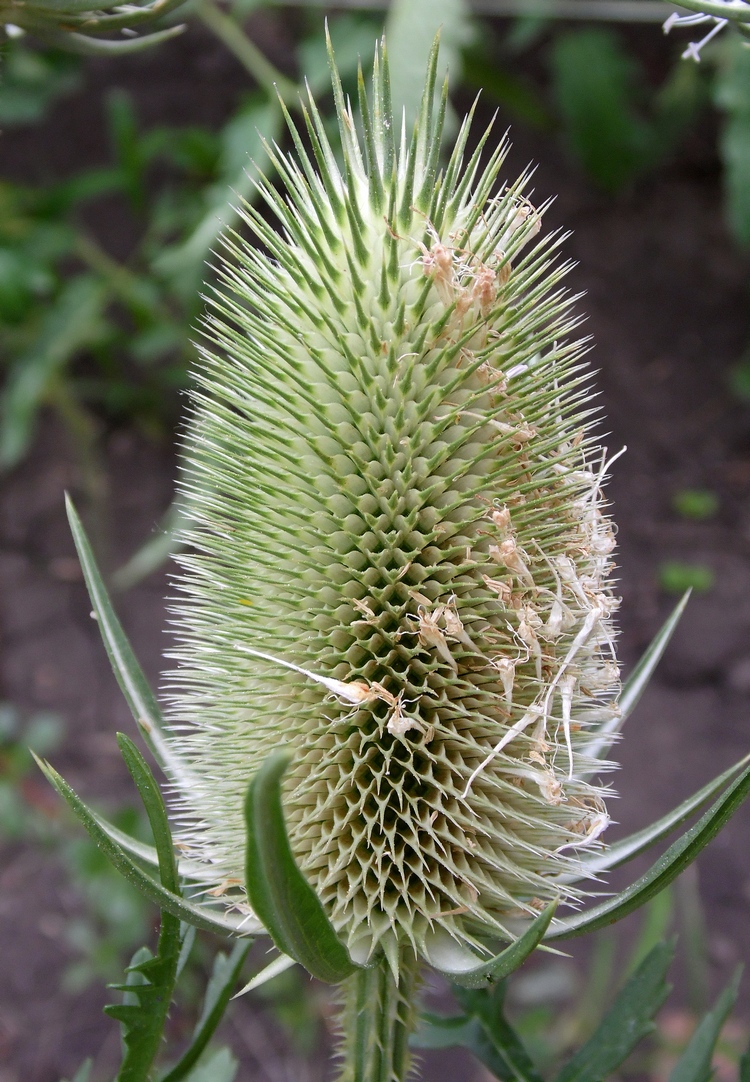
column 513, row 88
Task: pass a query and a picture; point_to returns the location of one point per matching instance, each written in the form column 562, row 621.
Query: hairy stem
column 378, row 1018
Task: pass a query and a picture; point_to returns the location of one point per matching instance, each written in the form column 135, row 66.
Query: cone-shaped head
column 395, row 495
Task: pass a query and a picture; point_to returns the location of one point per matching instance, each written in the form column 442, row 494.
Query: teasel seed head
column 399, row 557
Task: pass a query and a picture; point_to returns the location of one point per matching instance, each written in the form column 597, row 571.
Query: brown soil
column 668, row 305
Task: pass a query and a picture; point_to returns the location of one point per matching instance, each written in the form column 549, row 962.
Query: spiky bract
column 395, row 493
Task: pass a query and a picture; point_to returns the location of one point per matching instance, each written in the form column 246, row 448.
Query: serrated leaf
column 676, row 858
column 201, row 916
column 225, row 975
column 638, row 680
column 626, row 1023
column 133, row 683
column 278, row 892
column 694, row 1065
column 508, row 960
column 151, row 980
column 641, row 840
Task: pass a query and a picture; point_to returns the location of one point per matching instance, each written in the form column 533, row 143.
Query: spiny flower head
column 400, row 560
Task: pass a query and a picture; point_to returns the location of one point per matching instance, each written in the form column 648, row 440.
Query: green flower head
column 399, row 557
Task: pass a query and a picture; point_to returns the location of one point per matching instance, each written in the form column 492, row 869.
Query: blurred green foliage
column 696, row 503
column 676, row 576
column 90, row 335
column 615, row 124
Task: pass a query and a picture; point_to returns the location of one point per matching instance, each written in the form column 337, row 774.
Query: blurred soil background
column 668, row 306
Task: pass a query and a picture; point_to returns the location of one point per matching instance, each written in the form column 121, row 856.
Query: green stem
column 378, row 1018
column 249, row 55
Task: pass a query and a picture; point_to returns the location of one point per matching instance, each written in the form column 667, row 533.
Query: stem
column 247, row 52
column 378, row 1018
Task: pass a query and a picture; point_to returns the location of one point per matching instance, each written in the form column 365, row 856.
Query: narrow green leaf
column 439, row 1031
column 485, row 1031
column 498, row 1042
column 656, row 919
column 279, row 965
column 278, row 892
column 129, row 674
column 144, row 852
column 503, row 964
column 663, row 871
column 627, row 848
column 225, row 975
column 86, row 46
column 83, row 1072
column 694, row 1065
column 733, row 97
column 638, row 680
column 153, row 802
column 220, row 1066
column 156, row 550
column 201, row 916
column 627, row 1022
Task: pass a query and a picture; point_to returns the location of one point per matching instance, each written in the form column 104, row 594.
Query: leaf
column 87, row 46
column 657, row 918
column 201, row 916
column 679, row 855
column 273, row 969
column 150, row 984
column 745, row 1067
column 145, row 853
column 225, row 975
column 593, row 85
column 156, row 549
column 626, row 1023
column 220, row 1066
column 518, row 97
column 133, row 683
column 153, row 802
column 410, row 30
column 128, row 151
column 485, row 1031
column 634, row 844
column 242, row 154
column 733, row 97
column 83, row 1072
column 694, row 1065
column 278, row 892
column 72, row 322
column 638, row 680
column 503, row 964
